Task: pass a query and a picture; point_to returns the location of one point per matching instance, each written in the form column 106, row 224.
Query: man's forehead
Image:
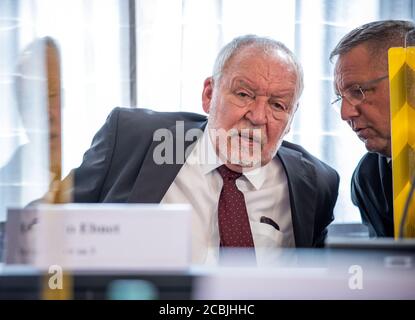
column 357, row 58
column 259, row 55
column 347, row 66
column 254, row 68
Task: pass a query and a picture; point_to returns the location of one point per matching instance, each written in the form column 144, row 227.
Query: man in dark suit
column 284, row 198
column 362, row 87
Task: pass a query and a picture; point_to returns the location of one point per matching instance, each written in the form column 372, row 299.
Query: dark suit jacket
column 119, row 167
column 372, row 193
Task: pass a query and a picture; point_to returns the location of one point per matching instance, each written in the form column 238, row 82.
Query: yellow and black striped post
column 402, row 99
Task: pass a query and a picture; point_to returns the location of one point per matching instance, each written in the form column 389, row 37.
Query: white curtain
column 174, row 43
column 91, row 37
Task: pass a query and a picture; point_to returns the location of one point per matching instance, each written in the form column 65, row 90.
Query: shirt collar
column 257, row 176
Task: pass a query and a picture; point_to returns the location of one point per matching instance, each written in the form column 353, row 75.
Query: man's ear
column 207, row 94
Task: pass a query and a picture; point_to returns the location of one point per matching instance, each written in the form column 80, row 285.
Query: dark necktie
column 234, row 228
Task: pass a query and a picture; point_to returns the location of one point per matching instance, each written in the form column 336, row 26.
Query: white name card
column 104, row 236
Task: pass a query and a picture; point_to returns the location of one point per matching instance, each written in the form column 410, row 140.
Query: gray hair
column 379, row 36
column 267, row 45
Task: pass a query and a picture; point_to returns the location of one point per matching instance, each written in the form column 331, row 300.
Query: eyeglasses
column 356, row 93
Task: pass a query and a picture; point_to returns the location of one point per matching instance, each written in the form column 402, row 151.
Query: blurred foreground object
column 402, row 97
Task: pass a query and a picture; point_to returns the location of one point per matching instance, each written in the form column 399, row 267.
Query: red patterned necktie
column 234, row 228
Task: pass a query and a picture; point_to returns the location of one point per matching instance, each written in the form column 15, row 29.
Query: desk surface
column 295, row 274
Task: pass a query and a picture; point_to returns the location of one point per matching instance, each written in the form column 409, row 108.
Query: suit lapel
column 301, row 178
column 154, row 179
column 385, row 173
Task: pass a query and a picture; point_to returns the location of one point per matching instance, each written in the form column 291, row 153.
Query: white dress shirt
column 266, row 194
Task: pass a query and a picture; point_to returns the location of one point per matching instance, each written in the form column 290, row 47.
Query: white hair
column 267, row 45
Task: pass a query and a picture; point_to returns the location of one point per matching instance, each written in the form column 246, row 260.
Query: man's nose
column 348, row 111
column 257, row 113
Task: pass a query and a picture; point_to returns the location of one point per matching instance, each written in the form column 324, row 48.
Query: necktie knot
column 227, row 174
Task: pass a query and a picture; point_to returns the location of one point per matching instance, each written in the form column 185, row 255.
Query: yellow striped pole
column 402, row 98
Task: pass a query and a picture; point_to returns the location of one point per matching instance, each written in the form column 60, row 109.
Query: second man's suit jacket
column 119, row 168
column 372, row 193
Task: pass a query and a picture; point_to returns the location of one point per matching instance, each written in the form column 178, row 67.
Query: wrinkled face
column 370, row 119
column 251, row 108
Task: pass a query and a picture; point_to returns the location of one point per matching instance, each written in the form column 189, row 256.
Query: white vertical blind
column 94, row 80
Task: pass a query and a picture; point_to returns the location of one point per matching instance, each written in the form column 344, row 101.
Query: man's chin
column 376, row 148
column 246, row 163
column 243, row 167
